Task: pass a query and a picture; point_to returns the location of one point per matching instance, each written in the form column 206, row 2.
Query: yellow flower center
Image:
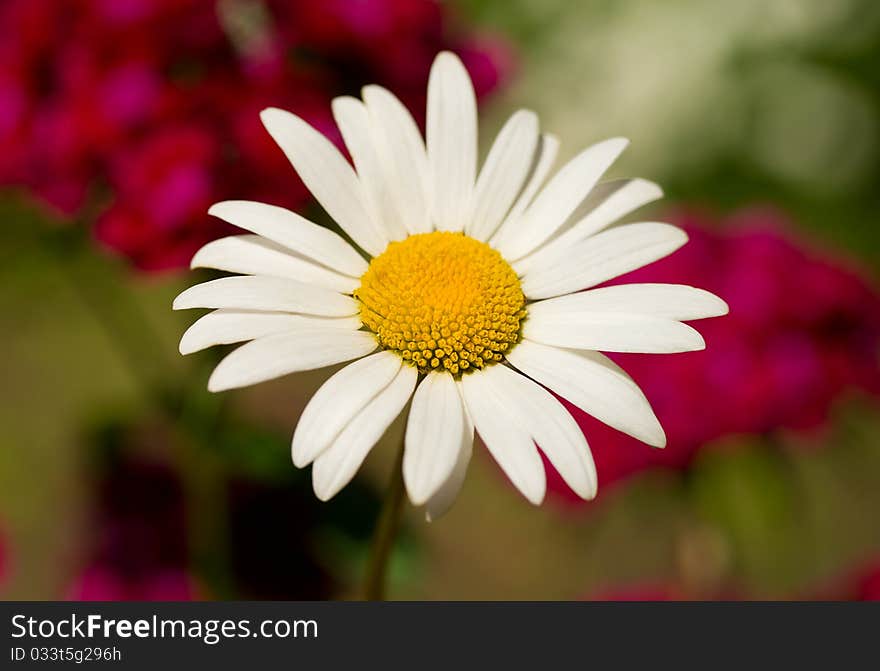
column 442, row 300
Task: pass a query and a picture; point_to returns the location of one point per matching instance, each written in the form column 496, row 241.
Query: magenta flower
column 105, row 583
column 137, row 548
column 171, row 170
column 390, row 42
column 868, row 587
column 95, row 93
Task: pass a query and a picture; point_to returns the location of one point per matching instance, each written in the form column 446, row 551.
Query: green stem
column 385, row 534
column 199, row 424
column 204, row 481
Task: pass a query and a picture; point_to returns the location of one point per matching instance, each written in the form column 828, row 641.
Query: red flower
column 104, row 583
column 138, row 546
column 88, row 88
column 389, row 42
column 163, row 188
column 254, row 167
column 868, row 587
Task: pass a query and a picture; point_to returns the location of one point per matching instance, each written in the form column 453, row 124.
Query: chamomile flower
column 464, row 293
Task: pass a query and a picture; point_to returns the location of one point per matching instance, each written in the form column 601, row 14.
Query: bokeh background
column 121, row 121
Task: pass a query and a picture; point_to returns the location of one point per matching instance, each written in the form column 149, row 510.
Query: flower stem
column 385, row 534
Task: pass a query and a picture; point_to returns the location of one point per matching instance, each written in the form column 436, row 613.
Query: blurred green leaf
column 745, row 488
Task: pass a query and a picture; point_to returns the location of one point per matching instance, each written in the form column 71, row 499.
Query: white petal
column 563, row 193
column 602, row 257
column 338, row 401
column 593, row 383
column 552, row 427
column 327, row 175
column 545, row 155
column 252, row 292
column 356, row 127
column 444, row 497
column 403, row 152
column 614, row 332
column 668, row 301
column 336, row 466
column 289, row 352
column 293, row 232
column 501, row 431
column 607, row 203
column 451, row 139
column 502, row 178
column 224, row 327
column 433, row 436
column 254, row 255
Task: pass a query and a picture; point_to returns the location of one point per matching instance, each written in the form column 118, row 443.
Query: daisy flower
column 464, row 293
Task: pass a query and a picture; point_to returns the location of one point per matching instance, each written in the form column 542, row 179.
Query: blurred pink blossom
column 162, row 182
column 868, row 585
column 137, row 545
column 104, row 583
column 390, row 42
column 96, row 94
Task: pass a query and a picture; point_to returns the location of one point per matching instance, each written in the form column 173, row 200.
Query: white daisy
column 464, row 296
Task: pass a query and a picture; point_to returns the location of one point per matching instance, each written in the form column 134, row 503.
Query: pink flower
column 803, row 329
column 256, row 168
column 389, row 42
column 868, row 588
column 490, row 61
column 105, row 583
column 90, row 87
column 137, row 548
column 163, row 185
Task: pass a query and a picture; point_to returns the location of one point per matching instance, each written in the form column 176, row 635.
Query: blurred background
column 121, row 121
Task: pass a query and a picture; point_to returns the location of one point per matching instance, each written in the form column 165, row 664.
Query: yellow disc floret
column 442, row 301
